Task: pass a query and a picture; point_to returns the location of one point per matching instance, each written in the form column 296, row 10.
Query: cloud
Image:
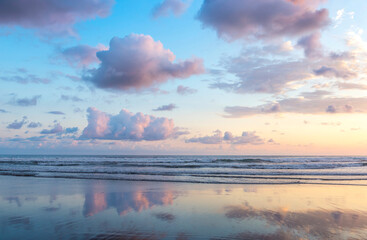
column 3, row 111
column 177, row 7
column 228, row 138
column 16, row 124
column 81, row 55
column 331, row 72
column 182, row 90
column 311, row 45
column 34, row 125
column 317, row 103
column 56, row 112
column 233, row 19
column 257, row 72
column 330, row 109
column 24, row 78
column 168, row 107
column 71, row 130
column 56, row 129
column 71, row 98
column 51, row 16
column 26, row 102
column 262, row 75
column 348, row 85
column 128, row 126
column 137, row 61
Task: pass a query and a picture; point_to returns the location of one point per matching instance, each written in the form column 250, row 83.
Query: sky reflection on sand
column 33, row 208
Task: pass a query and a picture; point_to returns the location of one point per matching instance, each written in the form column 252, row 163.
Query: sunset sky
column 183, row 77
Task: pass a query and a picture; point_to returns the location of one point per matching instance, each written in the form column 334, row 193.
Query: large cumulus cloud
column 128, row 126
column 233, row 19
column 136, row 62
column 51, row 16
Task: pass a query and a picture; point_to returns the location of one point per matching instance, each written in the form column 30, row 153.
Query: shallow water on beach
column 49, row 208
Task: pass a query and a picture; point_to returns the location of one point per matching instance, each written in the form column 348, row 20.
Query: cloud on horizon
column 128, row 126
column 228, row 138
column 136, row 62
column 319, row 102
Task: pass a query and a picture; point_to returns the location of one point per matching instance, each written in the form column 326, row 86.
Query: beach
column 60, row 208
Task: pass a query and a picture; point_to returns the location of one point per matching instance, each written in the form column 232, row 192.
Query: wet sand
column 50, row 208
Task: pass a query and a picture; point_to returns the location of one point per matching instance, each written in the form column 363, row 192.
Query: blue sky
column 249, row 87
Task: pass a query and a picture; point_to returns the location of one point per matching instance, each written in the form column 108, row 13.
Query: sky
column 249, row 77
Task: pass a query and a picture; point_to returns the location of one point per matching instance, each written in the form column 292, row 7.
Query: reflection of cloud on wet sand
column 128, row 235
column 326, row 224
column 167, row 217
column 19, row 222
column 125, row 202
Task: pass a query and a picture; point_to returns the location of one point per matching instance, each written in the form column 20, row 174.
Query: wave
column 208, row 169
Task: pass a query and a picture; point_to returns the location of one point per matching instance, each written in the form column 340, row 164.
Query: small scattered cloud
column 71, row 98
column 128, row 126
column 138, row 62
column 57, row 128
column 34, row 125
column 71, row 130
column 17, row 124
column 182, row 90
column 25, row 78
column 166, row 7
column 168, row 107
column 25, row 102
column 56, row 113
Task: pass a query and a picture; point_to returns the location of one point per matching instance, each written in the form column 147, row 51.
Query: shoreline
column 193, row 182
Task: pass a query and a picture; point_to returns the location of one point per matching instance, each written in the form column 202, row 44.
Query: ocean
column 350, row 170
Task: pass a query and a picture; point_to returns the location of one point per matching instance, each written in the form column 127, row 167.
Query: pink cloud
column 177, row 7
column 81, row 55
column 228, row 138
column 51, row 16
column 137, row 62
column 128, row 126
column 233, row 19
